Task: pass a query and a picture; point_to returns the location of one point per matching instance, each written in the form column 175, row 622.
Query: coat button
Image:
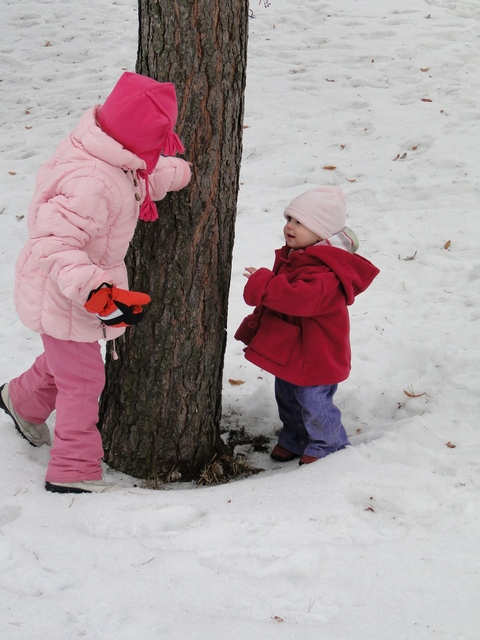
column 137, row 197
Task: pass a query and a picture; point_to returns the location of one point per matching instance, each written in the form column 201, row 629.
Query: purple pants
column 68, row 377
column 312, row 424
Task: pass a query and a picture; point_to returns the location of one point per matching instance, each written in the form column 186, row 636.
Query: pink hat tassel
column 148, row 210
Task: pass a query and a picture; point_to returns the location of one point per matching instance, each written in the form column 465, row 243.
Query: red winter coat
column 300, row 328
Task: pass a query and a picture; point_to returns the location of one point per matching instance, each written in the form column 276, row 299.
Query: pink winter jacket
column 80, row 222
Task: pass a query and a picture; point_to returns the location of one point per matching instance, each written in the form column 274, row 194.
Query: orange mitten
column 117, row 307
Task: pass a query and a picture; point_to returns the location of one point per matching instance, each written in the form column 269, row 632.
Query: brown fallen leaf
column 278, row 619
column 370, row 508
column 27, row 126
column 329, row 167
column 351, row 179
column 12, row 173
column 236, row 382
column 426, row 100
column 414, row 148
column 47, row 44
column 329, row 80
column 450, row 445
column 411, row 394
column 447, row 244
column 424, row 69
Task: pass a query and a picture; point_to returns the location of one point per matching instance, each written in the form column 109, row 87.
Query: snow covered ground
column 378, row 541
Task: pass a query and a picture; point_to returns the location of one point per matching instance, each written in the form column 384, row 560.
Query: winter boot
column 83, row 486
column 280, row 454
column 36, row 434
column 307, row 459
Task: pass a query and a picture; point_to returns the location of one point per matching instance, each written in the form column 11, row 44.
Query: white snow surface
column 377, row 541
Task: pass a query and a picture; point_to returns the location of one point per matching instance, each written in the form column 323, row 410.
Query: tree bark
column 161, row 407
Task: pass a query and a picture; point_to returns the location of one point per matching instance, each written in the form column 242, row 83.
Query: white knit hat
column 322, row 210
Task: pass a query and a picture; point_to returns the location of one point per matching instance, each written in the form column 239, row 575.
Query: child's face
column 297, row 236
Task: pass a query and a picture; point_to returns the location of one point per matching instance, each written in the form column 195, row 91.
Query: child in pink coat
column 71, row 282
column 299, row 330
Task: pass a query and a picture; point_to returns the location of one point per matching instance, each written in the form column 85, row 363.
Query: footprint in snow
column 9, row 513
column 142, row 523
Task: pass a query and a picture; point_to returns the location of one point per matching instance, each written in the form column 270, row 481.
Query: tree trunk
column 161, row 408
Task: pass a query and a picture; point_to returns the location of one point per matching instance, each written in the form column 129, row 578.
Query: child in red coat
column 299, row 330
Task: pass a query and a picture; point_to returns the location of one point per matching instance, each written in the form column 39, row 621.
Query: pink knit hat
column 322, row 210
column 140, row 113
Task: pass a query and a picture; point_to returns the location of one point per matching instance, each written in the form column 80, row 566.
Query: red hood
column 354, row 272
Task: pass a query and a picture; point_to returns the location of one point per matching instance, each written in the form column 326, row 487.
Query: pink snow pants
column 69, row 377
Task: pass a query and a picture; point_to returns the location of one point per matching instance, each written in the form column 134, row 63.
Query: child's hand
column 117, row 307
column 248, row 271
